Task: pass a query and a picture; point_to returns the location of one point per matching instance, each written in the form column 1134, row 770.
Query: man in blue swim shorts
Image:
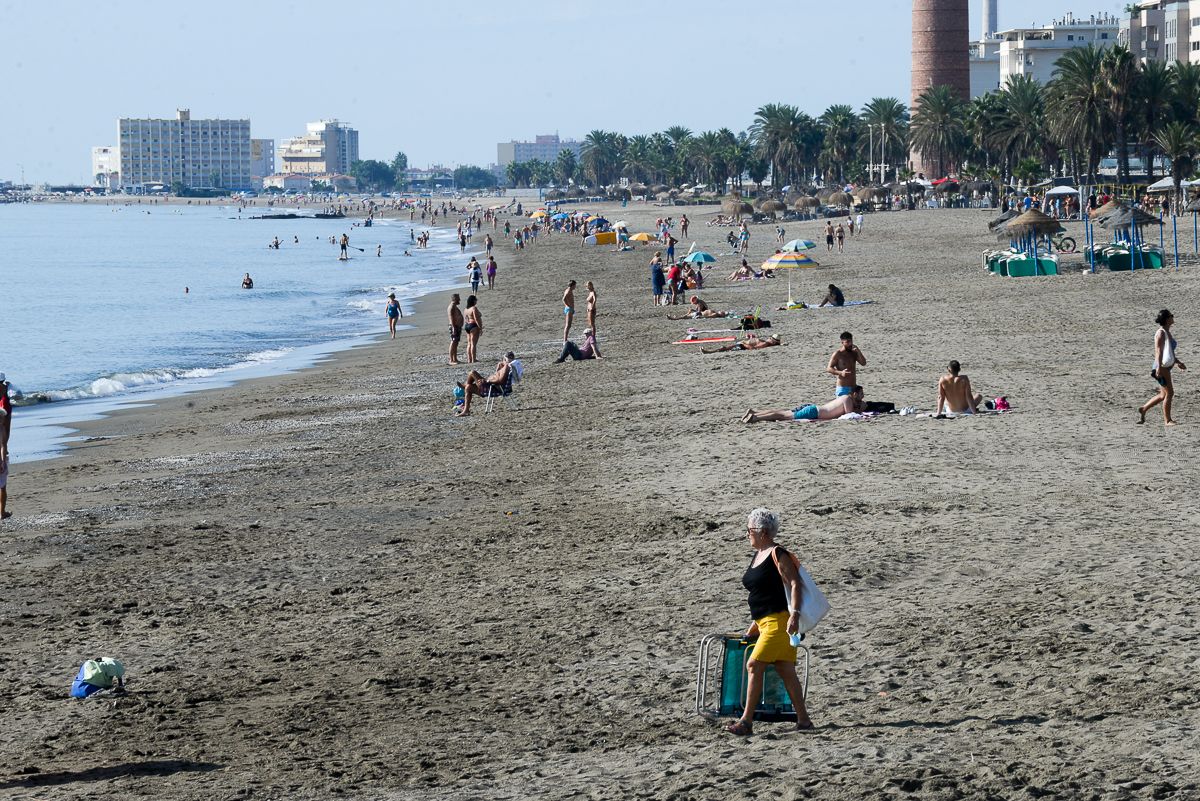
column 843, row 365
column 832, row 410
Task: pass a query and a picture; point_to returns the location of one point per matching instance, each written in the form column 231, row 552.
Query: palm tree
column 1179, row 142
column 1155, row 107
column 600, row 156
column 840, row 126
column 1078, row 96
column 638, row 161
column 777, row 132
column 938, row 132
column 1016, row 129
column 889, row 118
column 565, row 166
column 1119, row 74
column 1187, row 92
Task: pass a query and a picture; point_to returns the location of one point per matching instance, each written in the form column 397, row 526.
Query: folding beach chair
column 505, row 391
column 721, row 681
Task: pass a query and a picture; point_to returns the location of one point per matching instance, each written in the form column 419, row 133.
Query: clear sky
column 442, row 81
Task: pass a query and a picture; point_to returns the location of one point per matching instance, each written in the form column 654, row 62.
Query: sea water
column 103, row 305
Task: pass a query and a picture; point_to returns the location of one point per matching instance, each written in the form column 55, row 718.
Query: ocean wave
column 118, row 383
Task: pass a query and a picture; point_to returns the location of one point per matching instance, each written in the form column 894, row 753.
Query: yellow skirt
column 774, row 644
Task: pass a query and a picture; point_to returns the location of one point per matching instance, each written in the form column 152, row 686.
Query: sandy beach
column 325, row 585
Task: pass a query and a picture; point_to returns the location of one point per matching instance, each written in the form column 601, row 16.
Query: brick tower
column 940, row 40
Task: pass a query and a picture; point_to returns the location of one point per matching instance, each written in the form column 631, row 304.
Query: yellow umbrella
column 787, row 261
column 539, row 214
column 642, row 238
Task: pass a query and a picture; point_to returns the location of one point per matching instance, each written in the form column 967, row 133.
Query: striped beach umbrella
column 797, row 245
column 788, row 261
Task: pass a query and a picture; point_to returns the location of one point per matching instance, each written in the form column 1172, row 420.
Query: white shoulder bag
column 814, row 606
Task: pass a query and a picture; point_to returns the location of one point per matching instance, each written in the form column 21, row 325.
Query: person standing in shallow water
column 773, row 585
column 1165, row 360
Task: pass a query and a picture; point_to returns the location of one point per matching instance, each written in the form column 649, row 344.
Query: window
column 1195, row 46
column 1104, row 36
column 1070, row 37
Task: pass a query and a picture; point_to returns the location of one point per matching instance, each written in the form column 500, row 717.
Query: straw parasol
column 807, row 203
column 772, row 207
column 658, row 189
column 839, row 199
column 1002, row 219
column 980, row 186
column 1113, row 206
column 639, row 189
column 1031, row 222
column 618, row 193
column 946, row 186
column 735, row 206
column 576, row 192
column 823, row 193
column 555, row 194
column 1127, row 218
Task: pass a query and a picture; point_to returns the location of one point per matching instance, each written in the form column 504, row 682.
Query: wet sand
column 323, row 584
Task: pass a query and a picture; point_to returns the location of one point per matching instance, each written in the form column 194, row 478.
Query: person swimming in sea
column 247, row 282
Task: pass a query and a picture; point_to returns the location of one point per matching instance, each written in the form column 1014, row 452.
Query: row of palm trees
column 1101, row 100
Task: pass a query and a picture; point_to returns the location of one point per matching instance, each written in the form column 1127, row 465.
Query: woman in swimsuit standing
column 473, row 326
column 568, row 300
column 1164, row 359
column 393, row 313
column 591, row 306
column 771, row 580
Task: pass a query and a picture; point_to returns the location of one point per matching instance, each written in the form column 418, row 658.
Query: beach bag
column 1168, row 356
column 814, row 606
column 96, row 675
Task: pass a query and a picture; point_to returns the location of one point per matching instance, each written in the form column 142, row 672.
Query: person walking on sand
column 455, row 316
column 394, row 312
column 841, row 237
column 843, row 365
column 475, row 274
column 6, row 410
column 591, row 306
column 1165, row 359
column 491, row 272
column 473, row 325
column 829, row 236
column 773, row 584
column 488, row 244
column 568, row 300
column 683, row 225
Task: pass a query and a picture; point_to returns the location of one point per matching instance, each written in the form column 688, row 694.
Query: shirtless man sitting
column 955, row 395
column 699, row 309
column 844, row 404
column 843, row 365
column 751, row 342
column 478, row 385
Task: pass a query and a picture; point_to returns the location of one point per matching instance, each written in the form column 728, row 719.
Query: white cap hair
column 764, row 520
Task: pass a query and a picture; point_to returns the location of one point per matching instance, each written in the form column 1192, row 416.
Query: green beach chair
column 721, row 681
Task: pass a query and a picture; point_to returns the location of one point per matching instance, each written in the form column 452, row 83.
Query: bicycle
column 1063, row 243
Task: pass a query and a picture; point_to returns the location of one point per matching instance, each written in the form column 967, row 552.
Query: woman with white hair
column 771, row 580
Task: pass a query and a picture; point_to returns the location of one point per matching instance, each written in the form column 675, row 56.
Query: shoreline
column 323, row 583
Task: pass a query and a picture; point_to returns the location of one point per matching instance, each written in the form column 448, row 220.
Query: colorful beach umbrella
column 562, row 215
column 537, row 214
column 788, row 261
column 642, row 238
column 700, row 257
column 799, row 244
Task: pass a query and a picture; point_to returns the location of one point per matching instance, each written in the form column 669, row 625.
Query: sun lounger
column 721, row 681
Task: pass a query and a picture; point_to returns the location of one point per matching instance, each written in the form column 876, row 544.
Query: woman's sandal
column 740, row 729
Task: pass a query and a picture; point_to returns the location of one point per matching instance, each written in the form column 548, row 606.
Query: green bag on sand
column 101, row 672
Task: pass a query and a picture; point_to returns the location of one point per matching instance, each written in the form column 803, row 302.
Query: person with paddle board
column 345, row 243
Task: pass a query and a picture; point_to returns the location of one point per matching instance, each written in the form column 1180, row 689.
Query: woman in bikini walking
column 1164, row 360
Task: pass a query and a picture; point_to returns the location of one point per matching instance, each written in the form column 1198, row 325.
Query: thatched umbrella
column 1113, row 206
column 709, row 195
column 1002, row 219
column 618, row 193
column 1031, row 222
column 1127, row 218
column 839, row 199
column 980, row 186
column 807, row 203
column 914, row 188
column 555, row 194
column 576, row 192
column 658, row 189
column 872, row 192
column 734, row 206
column 662, row 196
column 946, row 187
column 639, row 189
column 824, row 192
column 772, row 207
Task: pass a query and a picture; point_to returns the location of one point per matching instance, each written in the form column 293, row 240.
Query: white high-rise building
column 196, row 153
column 106, row 167
column 1035, row 51
column 262, row 158
column 327, row 148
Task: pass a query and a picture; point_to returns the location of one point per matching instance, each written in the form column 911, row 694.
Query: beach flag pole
column 1175, row 236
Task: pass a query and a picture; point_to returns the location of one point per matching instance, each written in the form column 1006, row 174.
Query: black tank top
column 767, row 595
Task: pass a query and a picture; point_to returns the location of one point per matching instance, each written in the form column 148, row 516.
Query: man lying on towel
column 751, row 342
column 829, row 411
column 699, row 309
